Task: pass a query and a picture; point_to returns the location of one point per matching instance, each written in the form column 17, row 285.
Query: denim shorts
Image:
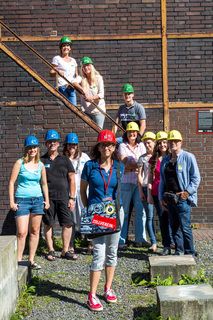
column 29, row 205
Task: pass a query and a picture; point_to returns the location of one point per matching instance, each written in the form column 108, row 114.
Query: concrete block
column 24, row 274
column 187, row 302
column 8, row 276
column 172, row 265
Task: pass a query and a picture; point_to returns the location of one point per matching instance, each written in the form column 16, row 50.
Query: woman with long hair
column 129, row 152
column 101, row 176
column 93, row 87
column 29, row 201
column 78, row 158
column 161, row 150
column 143, row 172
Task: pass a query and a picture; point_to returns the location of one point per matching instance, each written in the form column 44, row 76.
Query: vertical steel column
column 164, row 65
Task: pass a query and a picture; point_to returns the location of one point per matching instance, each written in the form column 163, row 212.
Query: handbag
column 104, row 217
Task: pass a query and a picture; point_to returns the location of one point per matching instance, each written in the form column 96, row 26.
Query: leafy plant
column 169, row 281
column 25, row 303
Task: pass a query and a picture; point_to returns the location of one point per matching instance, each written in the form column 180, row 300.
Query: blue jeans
column 69, row 93
column 149, row 209
column 98, row 118
column 130, row 191
column 165, row 224
column 33, row 205
column 180, row 217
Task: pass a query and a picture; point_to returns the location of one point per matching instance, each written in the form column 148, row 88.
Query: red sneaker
column 110, row 295
column 94, row 303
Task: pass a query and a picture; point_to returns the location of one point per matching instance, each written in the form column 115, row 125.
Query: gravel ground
column 62, row 286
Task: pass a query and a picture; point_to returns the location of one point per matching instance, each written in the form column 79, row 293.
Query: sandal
column 74, row 255
column 50, row 256
column 69, row 256
column 34, row 266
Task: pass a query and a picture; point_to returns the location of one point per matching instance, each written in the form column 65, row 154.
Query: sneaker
column 94, row 303
column 166, row 251
column 110, row 295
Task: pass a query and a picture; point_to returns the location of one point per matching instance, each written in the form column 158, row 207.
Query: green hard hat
column 65, row 39
column 127, row 88
column 86, row 60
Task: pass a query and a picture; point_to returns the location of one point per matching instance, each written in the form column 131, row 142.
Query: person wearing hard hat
column 143, row 170
column 78, row 159
column 179, row 182
column 67, row 67
column 130, row 111
column 93, row 86
column 102, row 176
column 160, row 151
column 31, row 197
column 129, row 152
column 62, row 190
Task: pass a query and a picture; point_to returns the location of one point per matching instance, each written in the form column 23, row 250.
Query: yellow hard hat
column 149, row 135
column 161, row 135
column 132, row 126
column 175, row 135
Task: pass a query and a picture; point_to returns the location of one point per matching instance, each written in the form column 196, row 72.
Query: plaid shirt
column 125, row 150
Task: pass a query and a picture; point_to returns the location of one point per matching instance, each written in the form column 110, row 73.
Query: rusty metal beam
column 164, row 66
column 190, row 104
column 172, row 104
column 112, row 37
column 49, row 87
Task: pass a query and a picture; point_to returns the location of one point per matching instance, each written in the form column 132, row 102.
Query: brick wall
column 190, row 71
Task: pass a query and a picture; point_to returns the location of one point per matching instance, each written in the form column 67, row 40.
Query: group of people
column 90, row 83
column 140, row 170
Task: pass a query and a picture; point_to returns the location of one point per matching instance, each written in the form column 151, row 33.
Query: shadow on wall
column 9, row 224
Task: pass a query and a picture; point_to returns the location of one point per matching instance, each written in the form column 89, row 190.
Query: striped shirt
column 132, row 155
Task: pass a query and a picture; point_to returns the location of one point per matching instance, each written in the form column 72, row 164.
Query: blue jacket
column 188, row 175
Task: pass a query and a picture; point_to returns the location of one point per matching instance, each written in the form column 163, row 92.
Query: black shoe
column 178, row 253
column 166, row 251
column 68, row 255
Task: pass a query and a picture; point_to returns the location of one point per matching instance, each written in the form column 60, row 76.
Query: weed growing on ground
column 25, row 303
column 169, row 281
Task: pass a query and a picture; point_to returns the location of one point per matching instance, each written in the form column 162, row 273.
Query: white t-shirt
column 68, row 67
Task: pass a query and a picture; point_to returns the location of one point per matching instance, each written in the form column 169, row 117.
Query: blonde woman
column 29, row 203
column 93, row 86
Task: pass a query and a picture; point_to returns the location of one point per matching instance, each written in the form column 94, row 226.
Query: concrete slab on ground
column 8, row 276
column 172, row 265
column 186, row 302
column 24, row 274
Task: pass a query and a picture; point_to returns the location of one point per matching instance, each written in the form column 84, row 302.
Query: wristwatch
column 72, row 198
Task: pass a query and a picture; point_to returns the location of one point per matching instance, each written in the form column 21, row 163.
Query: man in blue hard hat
column 61, row 185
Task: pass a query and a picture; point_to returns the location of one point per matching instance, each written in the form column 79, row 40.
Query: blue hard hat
column 52, row 135
column 71, row 138
column 31, row 141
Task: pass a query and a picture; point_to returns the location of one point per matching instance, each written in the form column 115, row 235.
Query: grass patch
column 25, row 302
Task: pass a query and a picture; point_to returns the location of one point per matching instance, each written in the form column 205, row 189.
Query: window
column 205, row 121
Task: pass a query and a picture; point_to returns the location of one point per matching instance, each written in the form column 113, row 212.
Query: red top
column 156, row 178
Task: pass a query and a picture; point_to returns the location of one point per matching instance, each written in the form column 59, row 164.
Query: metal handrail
column 53, row 68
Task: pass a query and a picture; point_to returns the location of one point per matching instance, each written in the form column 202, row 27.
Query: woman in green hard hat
column 67, row 67
column 93, row 86
column 130, row 111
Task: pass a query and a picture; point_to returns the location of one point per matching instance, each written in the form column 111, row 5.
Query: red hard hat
column 106, row 136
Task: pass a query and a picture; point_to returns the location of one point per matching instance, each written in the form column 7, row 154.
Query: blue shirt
column 29, row 182
column 92, row 174
column 188, row 175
